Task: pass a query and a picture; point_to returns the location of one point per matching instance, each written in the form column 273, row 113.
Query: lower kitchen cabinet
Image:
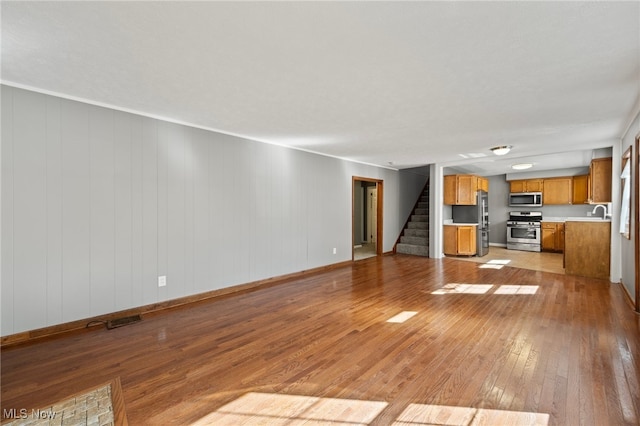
column 552, row 238
column 587, row 249
column 459, row 240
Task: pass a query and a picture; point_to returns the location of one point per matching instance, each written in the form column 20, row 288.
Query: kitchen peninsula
column 587, row 246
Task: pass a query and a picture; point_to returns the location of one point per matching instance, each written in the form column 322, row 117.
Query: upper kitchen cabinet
column 461, row 189
column 600, row 181
column 526, row 185
column 483, row 184
column 580, row 191
column 558, row 191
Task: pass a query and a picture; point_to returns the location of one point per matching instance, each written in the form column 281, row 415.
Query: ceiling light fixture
column 522, row 166
column 501, row 150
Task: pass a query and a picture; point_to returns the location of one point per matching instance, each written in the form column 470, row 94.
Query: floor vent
column 120, row 322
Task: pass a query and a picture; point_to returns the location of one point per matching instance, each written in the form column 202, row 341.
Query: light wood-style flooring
column 364, row 251
column 465, row 345
column 537, row 261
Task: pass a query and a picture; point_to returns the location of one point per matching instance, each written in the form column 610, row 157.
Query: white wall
column 97, row 203
column 627, row 248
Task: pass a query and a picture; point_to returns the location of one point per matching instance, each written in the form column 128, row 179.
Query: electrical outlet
column 162, row 281
column 334, row 250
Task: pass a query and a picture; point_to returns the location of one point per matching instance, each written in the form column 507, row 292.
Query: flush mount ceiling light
column 522, row 166
column 501, row 150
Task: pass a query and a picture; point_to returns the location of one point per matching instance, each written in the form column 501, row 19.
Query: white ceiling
column 400, row 83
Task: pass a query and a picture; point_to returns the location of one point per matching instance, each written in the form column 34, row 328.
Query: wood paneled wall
column 97, row 203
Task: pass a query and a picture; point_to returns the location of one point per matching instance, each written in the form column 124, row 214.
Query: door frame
column 379, row 187
column 636, row 190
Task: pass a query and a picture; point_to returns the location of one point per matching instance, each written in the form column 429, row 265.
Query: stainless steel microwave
column 525, row 199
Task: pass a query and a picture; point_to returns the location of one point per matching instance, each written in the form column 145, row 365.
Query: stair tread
column 422, row 241
column 413, row 249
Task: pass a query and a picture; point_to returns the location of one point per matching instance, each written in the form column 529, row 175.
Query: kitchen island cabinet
column 587, row 248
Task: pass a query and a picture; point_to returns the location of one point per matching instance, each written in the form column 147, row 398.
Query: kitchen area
column 563, row 214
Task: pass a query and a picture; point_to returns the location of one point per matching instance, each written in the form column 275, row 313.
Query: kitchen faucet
column 604, row 211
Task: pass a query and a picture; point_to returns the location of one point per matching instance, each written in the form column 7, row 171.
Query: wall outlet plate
column 162, row 281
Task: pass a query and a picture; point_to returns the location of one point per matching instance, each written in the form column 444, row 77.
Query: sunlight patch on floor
column 454, row 288
column 457, row 288
column 517, row 289
column 424, row 414
column 495, row 264
column 402, row 317
column 276, row 409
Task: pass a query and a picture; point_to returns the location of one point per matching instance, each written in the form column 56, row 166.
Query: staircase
column 415, row 237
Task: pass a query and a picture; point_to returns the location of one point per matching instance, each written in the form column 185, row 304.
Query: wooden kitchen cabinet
column 483, row 184
column 587, row 249
column 560, row 237
column 580, row 189
column 558, row 191
column 552, row 238
column 460, row 189
column 526, row 185
column 459, row 240
column 600, row 181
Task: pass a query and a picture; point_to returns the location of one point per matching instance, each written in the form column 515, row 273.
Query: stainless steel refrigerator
column 476, row 214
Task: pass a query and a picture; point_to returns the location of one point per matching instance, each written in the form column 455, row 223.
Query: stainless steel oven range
column 523, row 231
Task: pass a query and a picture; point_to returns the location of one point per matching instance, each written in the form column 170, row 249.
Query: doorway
column 366, row 213
column 636, row 220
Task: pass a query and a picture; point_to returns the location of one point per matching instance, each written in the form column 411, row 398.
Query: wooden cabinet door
column 548, row 239
column 466, row 240
column 459, row 240
column 483, row 184
column 460, row 189
column 557, row 191
column 450, row 191
column 534, row 185
column 528, row 185
column 580, row 189
column 517, row 186
column 552, row 238
column 449, row 240
column 560, row 237
column 600, row 175
column 467, row 187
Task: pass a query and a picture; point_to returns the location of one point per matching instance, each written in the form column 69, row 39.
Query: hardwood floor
column 483, row 345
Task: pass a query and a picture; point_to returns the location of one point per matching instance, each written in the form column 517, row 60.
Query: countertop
column 575, row 219
column 446, row 223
